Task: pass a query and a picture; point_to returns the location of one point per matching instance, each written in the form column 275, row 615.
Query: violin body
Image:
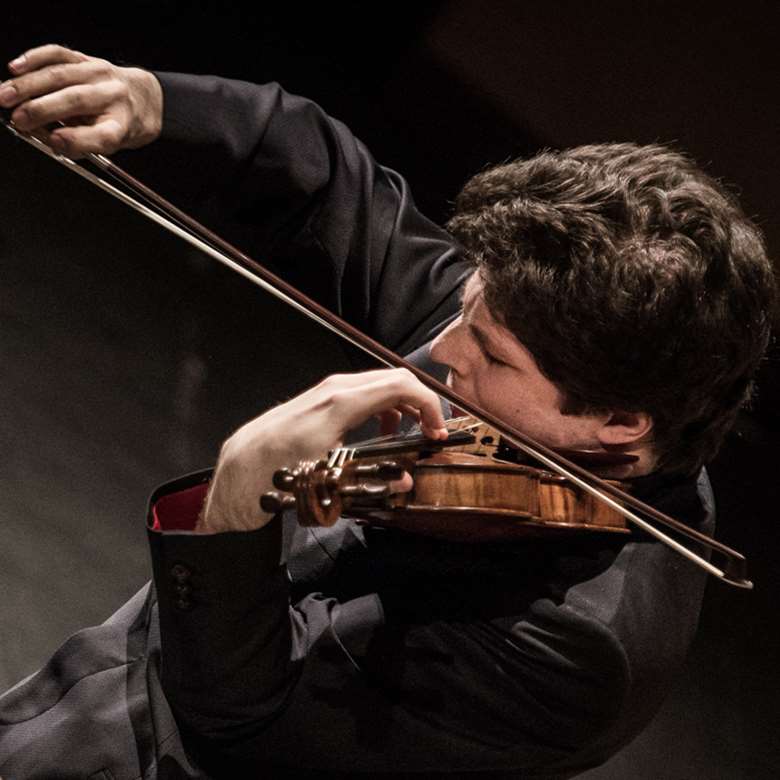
column 460, row 493
column 465, row 497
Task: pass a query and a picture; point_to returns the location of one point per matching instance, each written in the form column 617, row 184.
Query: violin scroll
column 321, row 491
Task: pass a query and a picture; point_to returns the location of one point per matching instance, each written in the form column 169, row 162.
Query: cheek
column 524, row 407
column 436, row 351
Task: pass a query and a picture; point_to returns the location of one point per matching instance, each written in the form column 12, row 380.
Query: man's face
column 489, row 366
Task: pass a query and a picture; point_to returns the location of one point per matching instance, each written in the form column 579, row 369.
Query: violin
column 464, row 490
column 452, row 496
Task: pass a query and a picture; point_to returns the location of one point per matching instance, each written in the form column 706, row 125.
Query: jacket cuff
column 213, row 590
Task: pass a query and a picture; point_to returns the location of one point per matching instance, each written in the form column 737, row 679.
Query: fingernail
column 17, row 63
column 8, row 94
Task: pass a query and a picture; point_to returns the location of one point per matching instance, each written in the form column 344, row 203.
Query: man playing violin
column 609, row 297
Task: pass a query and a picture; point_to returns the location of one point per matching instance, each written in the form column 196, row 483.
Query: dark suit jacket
column 354, row 650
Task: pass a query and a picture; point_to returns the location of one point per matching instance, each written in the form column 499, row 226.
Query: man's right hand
column 104, row 107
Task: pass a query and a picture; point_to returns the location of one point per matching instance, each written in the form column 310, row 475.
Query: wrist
column 146, row 106
column 233, row 500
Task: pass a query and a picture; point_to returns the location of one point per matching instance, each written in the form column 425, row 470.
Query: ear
column 622, row 428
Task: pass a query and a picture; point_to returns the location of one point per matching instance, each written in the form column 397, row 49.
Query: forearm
column 230, row 640
column 215, row 150
column 293, row 188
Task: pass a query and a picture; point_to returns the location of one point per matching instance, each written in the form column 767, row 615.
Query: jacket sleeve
column 294, row 189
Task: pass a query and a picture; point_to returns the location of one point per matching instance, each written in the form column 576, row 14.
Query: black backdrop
column 127, row 358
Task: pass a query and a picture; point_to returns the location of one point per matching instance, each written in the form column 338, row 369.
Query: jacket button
column 183, row 603
column 180, row 572
column 182, row 589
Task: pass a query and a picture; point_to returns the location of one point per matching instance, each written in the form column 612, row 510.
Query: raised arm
column 296, row 189
column 271, row 171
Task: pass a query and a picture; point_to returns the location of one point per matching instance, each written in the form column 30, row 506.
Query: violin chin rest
column 598, row 458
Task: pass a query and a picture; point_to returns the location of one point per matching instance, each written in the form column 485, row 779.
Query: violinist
column 611, row 298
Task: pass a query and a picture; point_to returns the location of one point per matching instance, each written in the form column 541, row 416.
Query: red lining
column 179, row 511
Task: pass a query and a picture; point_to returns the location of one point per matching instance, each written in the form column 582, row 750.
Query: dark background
column 126, row 358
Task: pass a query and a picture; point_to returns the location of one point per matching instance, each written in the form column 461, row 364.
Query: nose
column 452, row 347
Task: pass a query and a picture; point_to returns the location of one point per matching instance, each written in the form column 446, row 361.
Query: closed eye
column 492, row 359
column 483, row 347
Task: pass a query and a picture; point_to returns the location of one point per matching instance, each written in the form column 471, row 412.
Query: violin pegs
column 273, row 502
column 333, row 476
column 387, row 470
column 390, row 470
column 284, row 479
column 365, row 491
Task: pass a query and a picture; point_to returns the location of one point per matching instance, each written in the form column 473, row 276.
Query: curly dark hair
column 634, row 279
